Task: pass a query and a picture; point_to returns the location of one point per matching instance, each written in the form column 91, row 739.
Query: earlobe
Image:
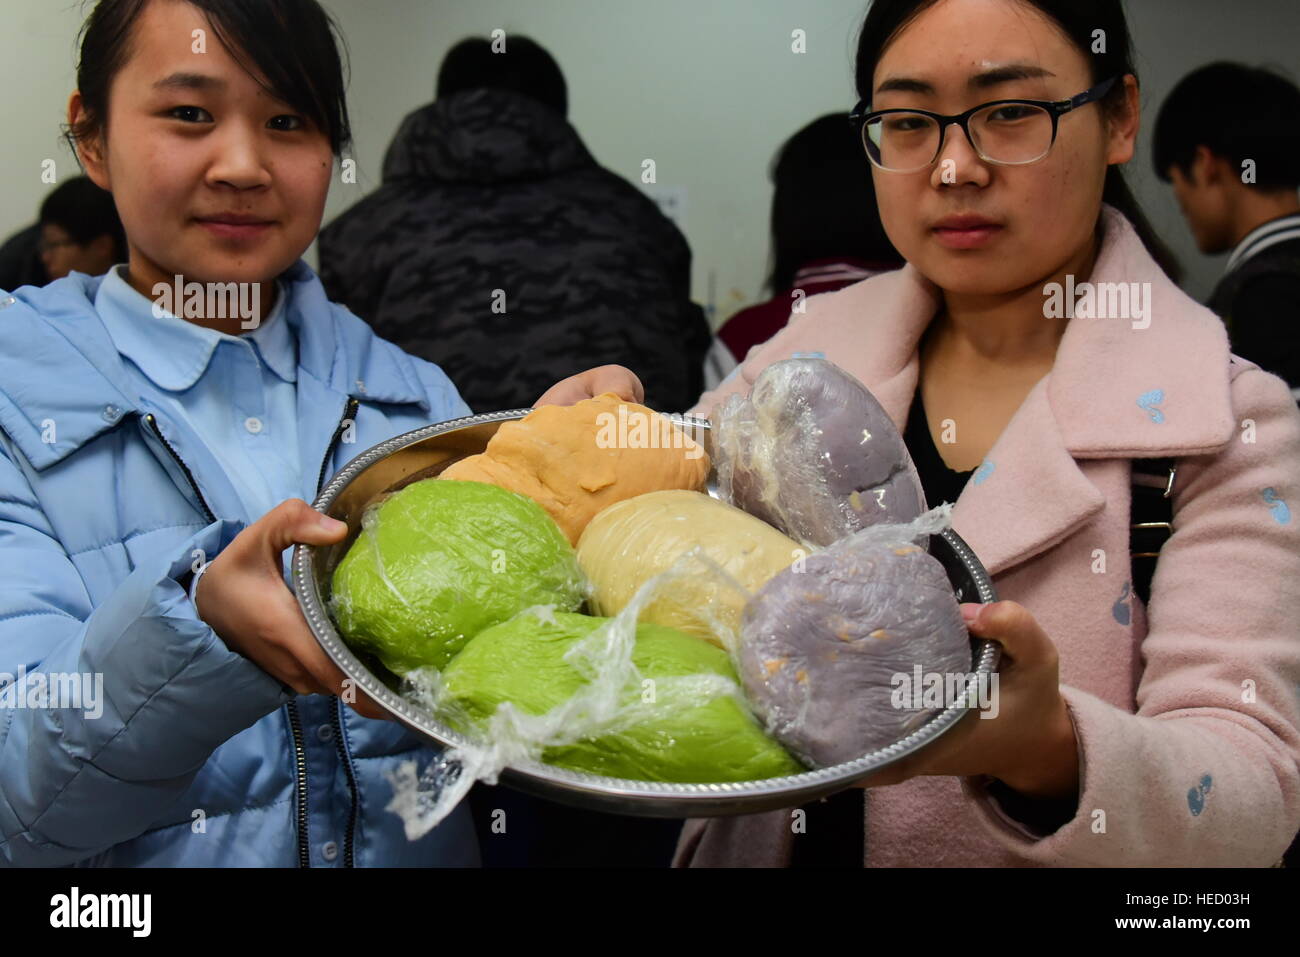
column 1205, row 166
column 89, row 151
column 1123, row 126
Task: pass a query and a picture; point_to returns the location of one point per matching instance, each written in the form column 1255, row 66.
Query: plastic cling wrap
column 439, row 561
column 629, row 543
column 681, row 721
column 609, row 696
column 812, row 452
column 831, row 653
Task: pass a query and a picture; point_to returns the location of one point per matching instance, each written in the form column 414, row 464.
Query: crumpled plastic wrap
column 811, row 452
column 629, row 543
column 576, row 460
column 680, row 722
column 823, row 642
column 439, row 561
column 680, row 725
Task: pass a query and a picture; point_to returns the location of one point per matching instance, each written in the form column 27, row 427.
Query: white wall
column 706, row 88
column 37, row 74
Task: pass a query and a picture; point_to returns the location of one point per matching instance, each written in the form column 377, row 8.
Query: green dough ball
column 522, row 661
column 441, row 560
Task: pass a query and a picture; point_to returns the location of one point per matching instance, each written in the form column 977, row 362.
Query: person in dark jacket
column 498, row 248
column 826, row 234
column 1228, row 139
column 80, row 230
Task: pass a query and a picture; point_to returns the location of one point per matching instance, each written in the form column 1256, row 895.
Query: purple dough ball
column 821, row 645
column 817, row 456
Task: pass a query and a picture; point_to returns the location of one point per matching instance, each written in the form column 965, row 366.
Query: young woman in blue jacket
column 150, row 715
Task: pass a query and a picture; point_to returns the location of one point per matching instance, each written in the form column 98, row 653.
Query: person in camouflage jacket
column 499, row 249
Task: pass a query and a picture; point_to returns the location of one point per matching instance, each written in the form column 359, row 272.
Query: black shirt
column 941, row 484
column 833, row 835
column 1259, row 298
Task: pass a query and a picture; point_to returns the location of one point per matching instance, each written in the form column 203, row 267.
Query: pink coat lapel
column 1114, row 392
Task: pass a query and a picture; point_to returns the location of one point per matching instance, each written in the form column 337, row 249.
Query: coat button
column 111, row 413
column 325, row 732
column 329, row 850
column 7, row 301
column 253, row 424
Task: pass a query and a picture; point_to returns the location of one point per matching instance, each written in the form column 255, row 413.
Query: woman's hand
column 243, row 597
column 617, row 379
column 1030, row 745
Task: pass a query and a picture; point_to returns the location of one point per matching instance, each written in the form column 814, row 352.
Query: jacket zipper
column 153, row 424
column 300, row 768
column 295, row 721
column 349, row 411
column 352, row 785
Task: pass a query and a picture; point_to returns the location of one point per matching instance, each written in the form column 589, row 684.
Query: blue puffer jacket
column 198, row 757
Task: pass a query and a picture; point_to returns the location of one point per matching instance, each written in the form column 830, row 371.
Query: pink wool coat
column 1185, row 713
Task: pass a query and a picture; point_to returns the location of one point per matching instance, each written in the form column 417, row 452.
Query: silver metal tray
column 424, row 453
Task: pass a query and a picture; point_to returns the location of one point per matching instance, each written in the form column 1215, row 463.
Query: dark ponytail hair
column 291, row 43
column 824, row 202
column 1079, row 20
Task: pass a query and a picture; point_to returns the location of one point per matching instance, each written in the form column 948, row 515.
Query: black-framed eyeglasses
column 1005, row 132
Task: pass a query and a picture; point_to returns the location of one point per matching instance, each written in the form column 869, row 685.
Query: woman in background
column 826, row 234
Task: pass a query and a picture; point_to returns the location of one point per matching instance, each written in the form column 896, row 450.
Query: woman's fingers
column 244, row 598
column 288, row 670
column 301, row 646
column 365, row 706
column 1028, row 682
column 1013, row 626
column 565, row 392
column 294, row 522
column 619, row 380
column 306, row 669
column 320, row 672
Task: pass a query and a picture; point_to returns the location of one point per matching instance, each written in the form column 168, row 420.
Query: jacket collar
column 63, row 382
column 1114, row 391
column 175, row 353
column 341, row 351
column 1264, row 236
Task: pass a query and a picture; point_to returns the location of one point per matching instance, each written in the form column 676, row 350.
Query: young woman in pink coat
column 1127, row 735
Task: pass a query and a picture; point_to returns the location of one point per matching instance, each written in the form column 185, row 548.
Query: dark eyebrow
column 1007, row 73
column 189, row 81
column 979, row 81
